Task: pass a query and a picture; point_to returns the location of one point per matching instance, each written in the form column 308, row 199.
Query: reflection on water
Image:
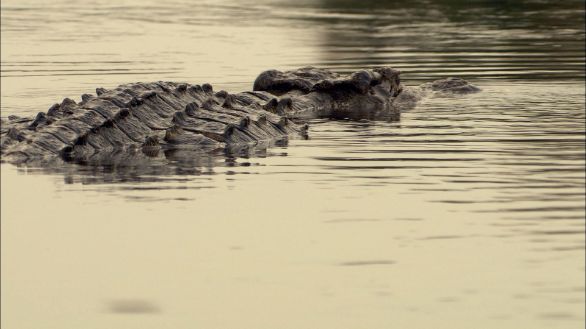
column 478, row 39
column 137, row 166
column 468, row 212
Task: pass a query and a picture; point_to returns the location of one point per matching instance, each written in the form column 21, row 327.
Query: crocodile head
column 451, row 85
column 318, row 93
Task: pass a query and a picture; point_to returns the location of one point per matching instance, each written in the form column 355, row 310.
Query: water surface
column 468, row 213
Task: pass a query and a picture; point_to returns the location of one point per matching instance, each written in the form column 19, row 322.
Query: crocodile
column 149, row 117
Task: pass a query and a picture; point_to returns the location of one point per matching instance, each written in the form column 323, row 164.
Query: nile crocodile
column 167, row 115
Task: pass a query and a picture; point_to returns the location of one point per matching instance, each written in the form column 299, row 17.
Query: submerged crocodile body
column 149, row 117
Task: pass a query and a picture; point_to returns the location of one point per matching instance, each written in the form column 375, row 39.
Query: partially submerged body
column 149, row 117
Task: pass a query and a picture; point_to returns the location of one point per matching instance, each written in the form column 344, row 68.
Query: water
column 468, row 213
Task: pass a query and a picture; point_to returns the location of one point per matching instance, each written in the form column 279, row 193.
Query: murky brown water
column 469, row 213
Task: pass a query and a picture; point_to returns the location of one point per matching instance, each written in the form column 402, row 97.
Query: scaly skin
column 149, row 117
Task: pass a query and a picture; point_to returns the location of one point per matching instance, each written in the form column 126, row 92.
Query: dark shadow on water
column 132, row 307
column 368, row 262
